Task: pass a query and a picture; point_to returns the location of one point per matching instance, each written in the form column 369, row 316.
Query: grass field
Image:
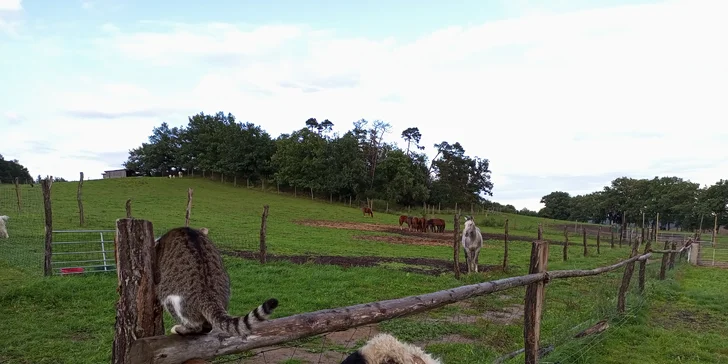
column 69, row 319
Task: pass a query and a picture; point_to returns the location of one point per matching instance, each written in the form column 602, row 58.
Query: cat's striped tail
column 242, row 325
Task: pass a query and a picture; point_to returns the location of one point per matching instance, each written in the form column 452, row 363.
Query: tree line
column 11, row 169
column 316, row 160
column 679, row 202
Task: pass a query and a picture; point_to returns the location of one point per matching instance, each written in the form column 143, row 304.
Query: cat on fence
column 194, row 287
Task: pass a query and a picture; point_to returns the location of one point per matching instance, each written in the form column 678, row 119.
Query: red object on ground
column 71, row 270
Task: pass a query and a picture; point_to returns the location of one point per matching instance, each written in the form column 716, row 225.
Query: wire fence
column 79, row 250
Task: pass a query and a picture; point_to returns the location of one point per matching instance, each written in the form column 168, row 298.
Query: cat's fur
column 194, row 287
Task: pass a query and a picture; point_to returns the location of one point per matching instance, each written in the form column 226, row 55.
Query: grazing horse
column 368, row 210
column 415, row 223
column 403, row 219
column 472, row 241
column 437, row 225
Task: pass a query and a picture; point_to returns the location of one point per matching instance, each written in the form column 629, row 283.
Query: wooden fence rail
column 133, row 236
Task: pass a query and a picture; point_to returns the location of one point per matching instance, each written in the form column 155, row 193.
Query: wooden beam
column 174, row 349
column 189, row 207
column 456, row 245
column 138, row 312
column 535, row 293
column 45, row 185
column 263, row 230
column 626, row 278
column 505, row 248
column 80, row 201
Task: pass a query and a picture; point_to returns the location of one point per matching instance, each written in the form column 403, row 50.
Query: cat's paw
column 175, row 329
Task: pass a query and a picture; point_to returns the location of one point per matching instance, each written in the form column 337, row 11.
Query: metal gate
column 715, row 255
column 83, row 251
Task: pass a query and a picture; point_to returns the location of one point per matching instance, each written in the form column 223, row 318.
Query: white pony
column 472, row 241
column 3, row 228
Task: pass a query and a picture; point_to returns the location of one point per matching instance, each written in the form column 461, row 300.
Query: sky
column 559, row 95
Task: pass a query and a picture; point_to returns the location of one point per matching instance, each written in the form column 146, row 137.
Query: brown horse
column 436, row 225
column 402, row 220
column 367, row 210
column 415, row 223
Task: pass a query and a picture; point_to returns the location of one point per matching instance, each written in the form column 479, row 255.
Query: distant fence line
column 139, row 328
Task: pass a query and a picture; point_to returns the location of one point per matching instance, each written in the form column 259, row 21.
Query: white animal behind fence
column 385, row 348
column 472, row 242
column 3, row 227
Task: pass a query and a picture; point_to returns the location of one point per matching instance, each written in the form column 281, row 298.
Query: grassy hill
column 69, row 319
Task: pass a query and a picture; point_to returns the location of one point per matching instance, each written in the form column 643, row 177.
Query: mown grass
column 70, row 319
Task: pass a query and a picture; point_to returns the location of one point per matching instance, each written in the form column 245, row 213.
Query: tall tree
column 411, row 135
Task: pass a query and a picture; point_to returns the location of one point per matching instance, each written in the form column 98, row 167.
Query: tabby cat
column 194, row 287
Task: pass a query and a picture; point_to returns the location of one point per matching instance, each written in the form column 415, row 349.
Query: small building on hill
column 116, row 173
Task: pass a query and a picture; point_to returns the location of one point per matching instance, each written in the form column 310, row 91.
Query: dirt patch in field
column 427, row 266
column 409, row 240
column 507, row 315
column 445, row 236
column 345, row 340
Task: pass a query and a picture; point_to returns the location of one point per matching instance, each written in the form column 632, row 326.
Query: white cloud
column 544, row 95
column 11, row 5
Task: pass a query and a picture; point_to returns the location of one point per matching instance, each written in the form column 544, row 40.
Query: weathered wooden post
column 583, row 232
column 80, row 201
column 672, row 256
column 663, row 266
column 46, row 188
column 128, row 209
column 566, row 243
column 18, row 193
column 263, row 229
column 189, row 207
column 643, row 267
column 599, row 234
column 535, row 293
column 626, row 278
column 138, row 312
column 540, row 232
column 456, row 245
column 505, row 248
column 611, row 229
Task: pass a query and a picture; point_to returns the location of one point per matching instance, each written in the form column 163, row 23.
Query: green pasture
column 70, row 319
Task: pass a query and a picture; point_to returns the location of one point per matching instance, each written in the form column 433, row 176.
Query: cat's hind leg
column 185, row 325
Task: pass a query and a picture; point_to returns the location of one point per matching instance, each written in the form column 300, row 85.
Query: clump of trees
column 11, row 169
column 314, row 159
column 679, row 202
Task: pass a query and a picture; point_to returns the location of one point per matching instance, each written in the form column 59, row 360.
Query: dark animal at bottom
column 386, row 349
column 194, row 287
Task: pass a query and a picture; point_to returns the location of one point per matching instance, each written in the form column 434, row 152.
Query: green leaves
column 358, row 163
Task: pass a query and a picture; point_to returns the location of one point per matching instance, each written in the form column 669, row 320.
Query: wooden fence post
column 456, row 244
column 138, row 312
column 18, row 193
column 540, row 232
column 663, row 266
column 128, row 209
column 643, row 267
column 566, row 243
column 626, row 278
column 611, row 229
column 599, row 234
column 505, row 249
column 46, row 187
column 80, row 201
column 534, row 301
column 583, row 232
column 672, row 256
column 189, row 207
column 263, row 229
